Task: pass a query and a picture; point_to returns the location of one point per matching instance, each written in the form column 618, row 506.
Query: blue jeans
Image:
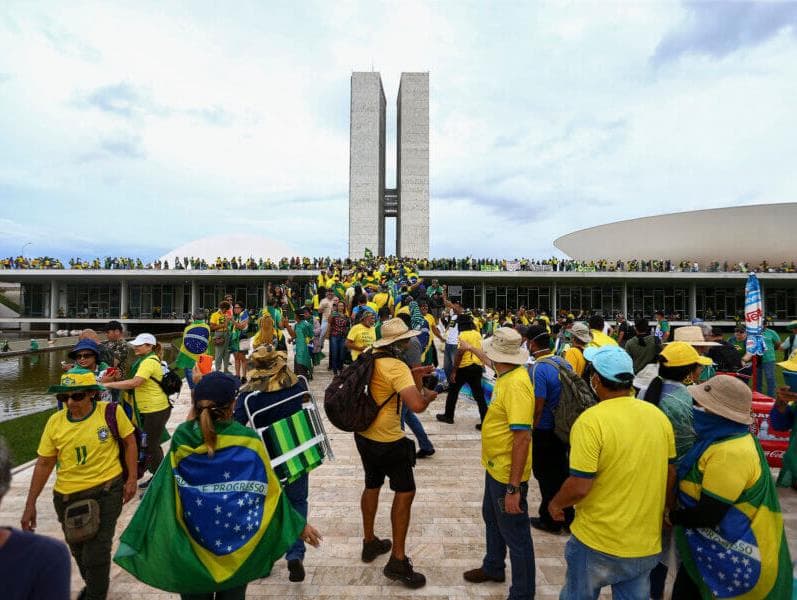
column 589, row 570
column 766, row 370
column 297, row 494
column 448, row 358
column 189, row 377
column 411, row 419
column 337, row 347
column 508, row 531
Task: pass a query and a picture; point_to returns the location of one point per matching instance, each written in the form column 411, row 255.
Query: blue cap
column 220, row 388
column 611, row 362
column 86, row 344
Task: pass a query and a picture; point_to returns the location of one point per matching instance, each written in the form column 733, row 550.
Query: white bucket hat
column 504, row 347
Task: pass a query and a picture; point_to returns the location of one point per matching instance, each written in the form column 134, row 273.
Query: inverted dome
column 228, row 246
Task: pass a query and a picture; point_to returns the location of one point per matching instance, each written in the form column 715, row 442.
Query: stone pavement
column 445, row 536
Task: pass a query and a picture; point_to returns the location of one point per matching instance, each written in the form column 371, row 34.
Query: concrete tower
column 369, row 201
column 367, row 165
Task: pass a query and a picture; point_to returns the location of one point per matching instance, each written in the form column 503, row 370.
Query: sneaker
column 374, row 548
column 401, row 570
column 295, row 570
column 444, row 419
column 479, row 576
column 424, row 453
column 538, row 523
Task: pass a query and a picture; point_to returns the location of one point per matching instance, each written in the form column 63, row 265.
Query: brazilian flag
column 746, row 557
column 209, row 524
column 196, row 339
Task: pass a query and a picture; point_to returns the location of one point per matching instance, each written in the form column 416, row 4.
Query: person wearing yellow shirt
column 362, row 335
column 506, row 458
column 149, row 400
column 580, row 337
column 467, row 368
column 386, row 452
column 430, row 355
column 621, row 455
column 79, row 442
column 599, row 339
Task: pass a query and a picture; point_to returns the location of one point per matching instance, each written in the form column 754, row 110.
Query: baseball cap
column 144, row 338
column 611, row 362
column 681, row 354
column 220, row 388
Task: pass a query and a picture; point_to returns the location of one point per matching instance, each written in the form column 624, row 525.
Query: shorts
column 392, row 459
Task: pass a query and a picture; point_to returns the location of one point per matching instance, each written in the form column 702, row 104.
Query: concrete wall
column 366, row 165
column 412, row 169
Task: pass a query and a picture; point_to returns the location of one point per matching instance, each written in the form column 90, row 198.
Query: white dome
column 229, row 246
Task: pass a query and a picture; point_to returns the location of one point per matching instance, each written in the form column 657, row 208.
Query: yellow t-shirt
column 383, row 299
column 511, row 409
column 88, row 454
column 218, row 318
column 149, row 395
column 625, row 445
column 473, row 338
column 362, row 336
column 601, row 339
column 404, row 309
column 390, row 376
column 575, row 356
column 728, row 468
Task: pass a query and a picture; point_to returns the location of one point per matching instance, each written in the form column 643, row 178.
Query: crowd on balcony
column 554, row 264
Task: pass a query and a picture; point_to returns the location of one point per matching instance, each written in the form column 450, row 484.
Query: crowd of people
column 305, row 263
column 637, row 437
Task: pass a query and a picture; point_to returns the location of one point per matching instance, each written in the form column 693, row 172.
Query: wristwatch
column 511, row 489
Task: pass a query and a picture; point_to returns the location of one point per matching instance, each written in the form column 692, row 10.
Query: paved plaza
column 446, row 534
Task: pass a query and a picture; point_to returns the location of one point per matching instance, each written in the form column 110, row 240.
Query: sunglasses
column 82, row 355
column 76, row 396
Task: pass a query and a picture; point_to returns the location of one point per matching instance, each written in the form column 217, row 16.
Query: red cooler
column 773, row 442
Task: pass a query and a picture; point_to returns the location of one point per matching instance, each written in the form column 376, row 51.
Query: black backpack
column 170, row 383
column 348, row 402
column 575, row 397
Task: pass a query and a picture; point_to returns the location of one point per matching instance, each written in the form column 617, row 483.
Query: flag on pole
column 209, row 523
column 754, row 316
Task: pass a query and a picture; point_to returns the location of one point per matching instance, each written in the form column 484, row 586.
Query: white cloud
column 545, row 118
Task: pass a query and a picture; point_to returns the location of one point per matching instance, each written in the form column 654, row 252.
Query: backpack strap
column 110, row 419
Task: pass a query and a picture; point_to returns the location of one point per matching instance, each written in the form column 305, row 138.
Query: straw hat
column 692, row 335
column 504, row 347
column 725, row 396
column 394, row 330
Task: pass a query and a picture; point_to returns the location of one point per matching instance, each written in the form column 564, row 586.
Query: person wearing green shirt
column 662, row 330
column 302, row 333
column 766, row 365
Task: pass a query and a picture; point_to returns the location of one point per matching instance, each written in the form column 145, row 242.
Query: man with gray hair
column 31, row 566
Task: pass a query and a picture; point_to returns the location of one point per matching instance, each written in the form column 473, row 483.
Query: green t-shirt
column 738, row 344
column 771, row 339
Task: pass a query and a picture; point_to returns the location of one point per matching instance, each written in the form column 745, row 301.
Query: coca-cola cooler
column 774, row 443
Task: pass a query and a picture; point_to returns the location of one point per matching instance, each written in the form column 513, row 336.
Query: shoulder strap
column 110, row 419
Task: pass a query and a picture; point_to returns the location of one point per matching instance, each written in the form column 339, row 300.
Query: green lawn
column 22, row 435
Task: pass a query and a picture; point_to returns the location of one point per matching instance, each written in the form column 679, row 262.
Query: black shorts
column 394, row 459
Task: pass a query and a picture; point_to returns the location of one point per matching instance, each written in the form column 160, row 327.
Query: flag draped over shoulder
column 208, row 524
column 753, row 316
column 746, row 557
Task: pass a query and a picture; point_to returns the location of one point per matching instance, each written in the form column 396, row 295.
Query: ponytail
column 158, row 350
column 653, row 393
column 208, row 413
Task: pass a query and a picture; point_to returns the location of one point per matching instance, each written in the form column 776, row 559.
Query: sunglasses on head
column 84, row 355
column 76, row 396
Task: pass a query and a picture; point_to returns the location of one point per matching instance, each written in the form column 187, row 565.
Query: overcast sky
column 129, row 130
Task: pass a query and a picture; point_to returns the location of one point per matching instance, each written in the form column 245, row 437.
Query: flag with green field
column 210, row 523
